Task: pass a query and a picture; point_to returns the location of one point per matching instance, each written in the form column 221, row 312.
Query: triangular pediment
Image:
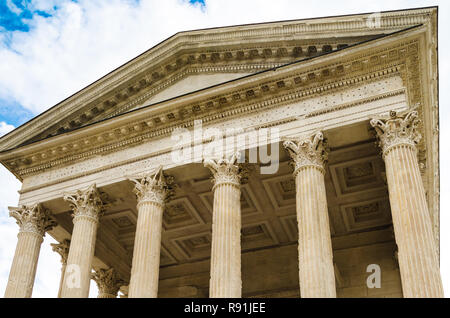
column 190, row 83
column 195, row 60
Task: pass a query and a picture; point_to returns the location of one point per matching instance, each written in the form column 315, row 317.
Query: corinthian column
column 417, row 251
column 315, row 253
column 108, row 282
column 152, row 191
column 33, row 221
column 225, row 281
column 87, row 205
column 63, row 250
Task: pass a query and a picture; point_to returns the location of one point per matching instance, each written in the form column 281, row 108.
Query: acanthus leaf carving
column 108, row 281
column 309, row 151
column 34, row 218
column 398, row 129
column 155, row 187
column 89, row 203
column 62, row 249
column 227, row 170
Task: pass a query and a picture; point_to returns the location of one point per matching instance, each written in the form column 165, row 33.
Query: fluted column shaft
column 61, row 280
column 23, row 269
column 87, row 206
column 63, row 250
column 315, row 253
column 417, row 250
column 152, row 192
column 34, row 221
column 225, row 280
column 147, row 249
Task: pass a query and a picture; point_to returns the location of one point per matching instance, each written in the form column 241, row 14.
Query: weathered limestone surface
column 63, row 250
column 87, row 206
column 417, row 251
column 108, row 282
column 225, row 279
column 34, row 221
column 152, row 192
column 315, row 251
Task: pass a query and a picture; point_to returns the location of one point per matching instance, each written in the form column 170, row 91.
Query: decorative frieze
column 329, row 78
column 35, row 219
column 387, row 21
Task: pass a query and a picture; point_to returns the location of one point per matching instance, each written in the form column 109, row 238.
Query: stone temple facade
column 345, row 108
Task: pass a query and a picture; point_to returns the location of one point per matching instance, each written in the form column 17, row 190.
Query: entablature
column 396, row 55
column 209, row 51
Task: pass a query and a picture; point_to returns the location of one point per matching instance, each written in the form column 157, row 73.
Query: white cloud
column 5, row 128
column 11, row 6
column 84, row 40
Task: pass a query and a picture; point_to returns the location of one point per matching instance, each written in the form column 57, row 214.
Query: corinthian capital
column 87, row 203
column 62, row 249
column 397, row 130
column 226, row 170
column 33, row 218
column 108, row 281
column 308, row 151
column 156, row 187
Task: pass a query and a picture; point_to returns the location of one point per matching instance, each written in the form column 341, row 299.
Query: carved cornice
column 33, row 219
column 156, row 187
column 397, row 130
column 62, row 249
column 88, row 203
column 291, row 87
column 108, row 282
column 298, row 30
column 227, row 170
column 307, row 152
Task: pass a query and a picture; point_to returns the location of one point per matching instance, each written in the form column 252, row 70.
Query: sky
column 49, row 49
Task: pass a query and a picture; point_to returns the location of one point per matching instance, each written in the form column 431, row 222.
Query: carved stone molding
column 87, row 203
column 95, row 93
column 108, row 282
column 62, row 249
column 398, row 129
column 155, row 187
column 306, row 152
column 289, row 87
column 35, row 219
column 227, row 171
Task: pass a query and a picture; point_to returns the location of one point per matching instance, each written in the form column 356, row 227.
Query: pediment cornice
column 395, row 55
column 212, row 50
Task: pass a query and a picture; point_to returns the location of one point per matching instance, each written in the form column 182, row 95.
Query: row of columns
column 417, row 250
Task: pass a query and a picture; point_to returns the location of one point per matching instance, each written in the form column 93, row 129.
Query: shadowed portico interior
column 358, row 207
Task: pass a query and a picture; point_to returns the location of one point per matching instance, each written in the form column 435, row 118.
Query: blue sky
column 49, row 49
column 19, row 16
